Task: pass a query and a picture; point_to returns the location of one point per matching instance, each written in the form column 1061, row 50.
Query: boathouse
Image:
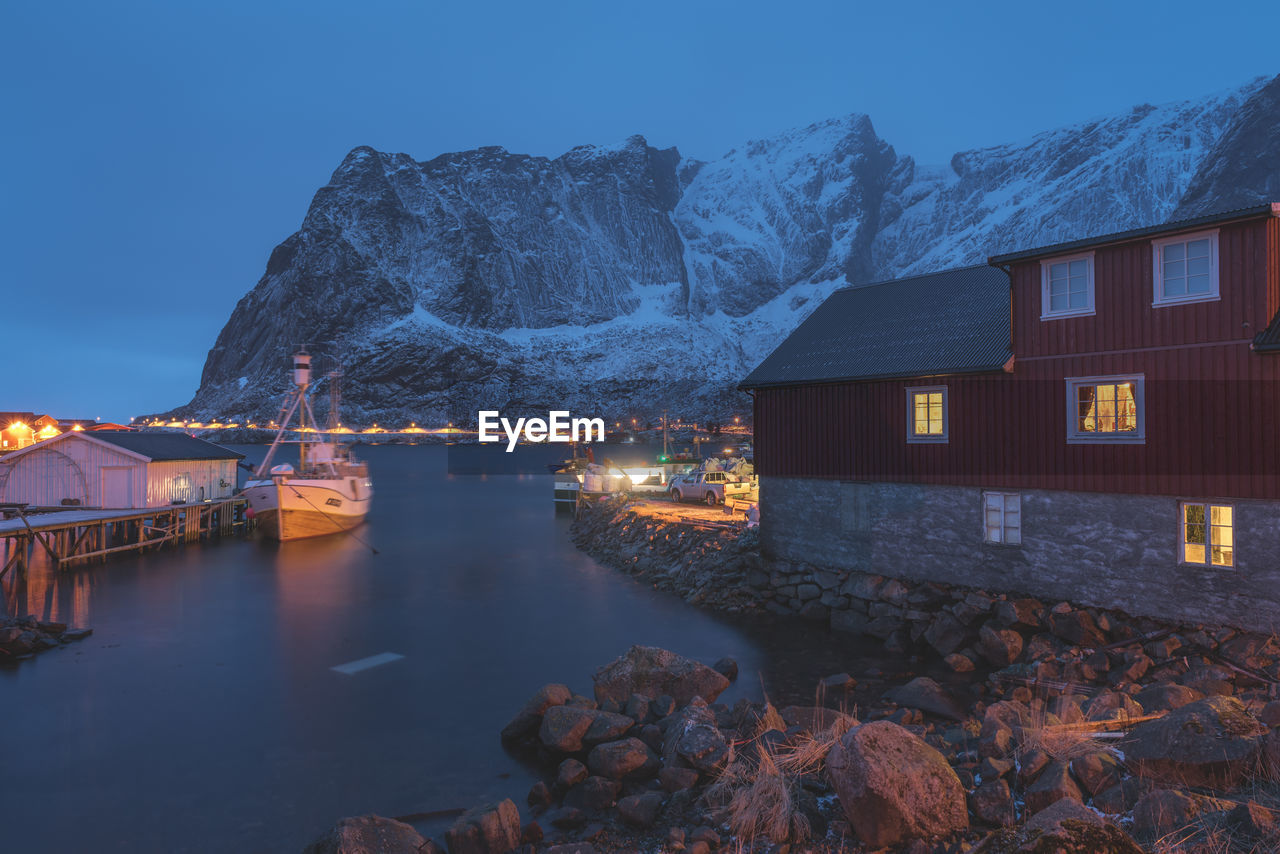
column 1094, row 421
column 117, row 470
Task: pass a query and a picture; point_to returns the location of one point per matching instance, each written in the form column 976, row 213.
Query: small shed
column 118, row 469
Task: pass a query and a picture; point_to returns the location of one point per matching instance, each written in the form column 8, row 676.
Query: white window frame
column 1135, row 437
column 1046, row 312
column 1005, row 530
column 1207, row 563
column 937, row 439
column 1158, row 299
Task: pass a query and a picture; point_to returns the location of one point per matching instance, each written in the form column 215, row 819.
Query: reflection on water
column 57, row 597
column 204, row 713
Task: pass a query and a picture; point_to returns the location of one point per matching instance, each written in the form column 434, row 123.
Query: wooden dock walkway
column 69, row 536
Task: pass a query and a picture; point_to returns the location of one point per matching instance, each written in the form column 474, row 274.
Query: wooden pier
column 68, row 536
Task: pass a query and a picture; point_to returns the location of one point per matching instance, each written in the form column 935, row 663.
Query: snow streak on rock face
column 799, row 207
column 1089, row 179
column 623, row 280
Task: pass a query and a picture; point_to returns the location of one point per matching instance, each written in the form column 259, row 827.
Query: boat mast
column 302, row 379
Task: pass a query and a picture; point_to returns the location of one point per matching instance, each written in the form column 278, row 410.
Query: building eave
column 1003, row 367
column 1270, row 209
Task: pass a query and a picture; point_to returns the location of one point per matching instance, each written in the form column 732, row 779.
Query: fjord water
column 203, row 714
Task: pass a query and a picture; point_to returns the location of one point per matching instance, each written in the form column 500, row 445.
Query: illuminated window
column 1002, row 517
column 927, row 414
column 1066, row 287
column 1105, row 409
column 1208, row 534
column 1186, row 269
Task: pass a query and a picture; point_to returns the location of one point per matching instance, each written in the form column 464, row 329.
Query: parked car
column 708, row 486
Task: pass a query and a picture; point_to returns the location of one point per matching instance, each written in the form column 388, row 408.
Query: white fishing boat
column 329, row 492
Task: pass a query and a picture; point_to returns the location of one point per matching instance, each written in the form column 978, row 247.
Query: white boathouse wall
column 189, row 481
column 74, row 469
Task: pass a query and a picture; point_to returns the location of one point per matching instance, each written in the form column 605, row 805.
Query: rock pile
column 654, row 773
column 705, row 565
column 1160, row 726
column 1066, row 729
column 23, row 637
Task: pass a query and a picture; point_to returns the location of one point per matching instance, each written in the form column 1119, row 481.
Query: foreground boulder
column 653, row 672
column 694, row 739
column 1213, row 742
column 1165, row 810
column 894, row 787
column 528, row 719
column 618, row 759
column 489, row 829
column 928, row 696
column 368, row 833
column 1066, row 827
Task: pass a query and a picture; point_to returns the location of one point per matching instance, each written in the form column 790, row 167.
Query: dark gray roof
column 954, row 322
column 165, row 446
column 1269, row 209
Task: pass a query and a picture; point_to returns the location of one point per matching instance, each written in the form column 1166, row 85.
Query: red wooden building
column 1096, row 420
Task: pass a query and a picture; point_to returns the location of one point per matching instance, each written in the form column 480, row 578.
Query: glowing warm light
column 78, row 428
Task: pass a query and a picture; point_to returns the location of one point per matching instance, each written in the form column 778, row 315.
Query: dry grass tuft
column 1058, row 742
column 771, row 719
column 761, row 794
column 765, row 806
column 1203, row 837
column 808, row 752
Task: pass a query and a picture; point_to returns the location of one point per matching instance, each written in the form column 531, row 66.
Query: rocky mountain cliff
column 623, row 280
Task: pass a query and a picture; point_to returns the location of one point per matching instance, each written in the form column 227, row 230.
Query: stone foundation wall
column 1108, row 551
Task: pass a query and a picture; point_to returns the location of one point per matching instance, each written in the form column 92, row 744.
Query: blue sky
column 155, row 153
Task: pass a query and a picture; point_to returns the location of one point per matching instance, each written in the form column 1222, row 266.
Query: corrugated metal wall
column 1212, row 406
column 74, row 468
column 1124, row 317
column 71, row 468
column 189, row 481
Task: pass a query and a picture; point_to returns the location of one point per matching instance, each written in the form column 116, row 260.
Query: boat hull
column 294, row 508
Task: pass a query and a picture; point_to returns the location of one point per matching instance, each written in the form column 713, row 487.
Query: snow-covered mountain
column 624, row 280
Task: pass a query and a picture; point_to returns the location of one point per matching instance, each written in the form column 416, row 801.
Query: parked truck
column 709, row 486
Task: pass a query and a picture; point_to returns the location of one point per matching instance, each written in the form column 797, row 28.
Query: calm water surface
column 203, row 713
